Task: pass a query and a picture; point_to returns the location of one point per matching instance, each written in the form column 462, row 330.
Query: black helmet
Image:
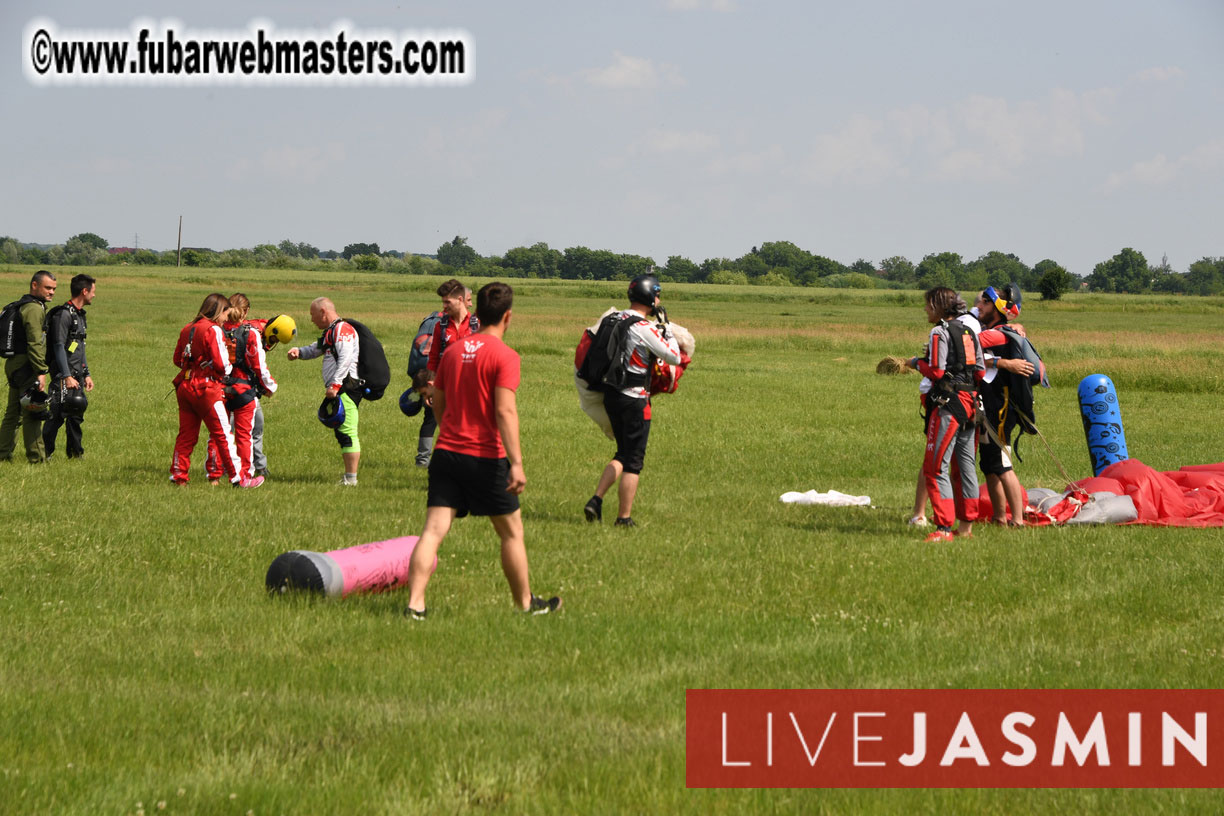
column 1011, row 291
column 644, row 289
column 73, row 402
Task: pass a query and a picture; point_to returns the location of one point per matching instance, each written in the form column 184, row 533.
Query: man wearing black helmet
column 68, row 367
column 629, row 407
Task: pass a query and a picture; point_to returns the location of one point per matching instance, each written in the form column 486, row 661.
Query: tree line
column 773, row 263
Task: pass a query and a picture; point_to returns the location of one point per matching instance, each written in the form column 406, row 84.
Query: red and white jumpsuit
column 203, row 362
column 242, row 417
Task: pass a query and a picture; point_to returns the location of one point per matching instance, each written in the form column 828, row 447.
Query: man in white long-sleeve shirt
column 340, row 347
column 629, row 407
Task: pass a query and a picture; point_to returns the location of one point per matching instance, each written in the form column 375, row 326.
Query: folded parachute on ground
column 1130, row 492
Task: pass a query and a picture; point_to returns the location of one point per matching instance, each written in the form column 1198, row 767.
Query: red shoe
column 939, row 535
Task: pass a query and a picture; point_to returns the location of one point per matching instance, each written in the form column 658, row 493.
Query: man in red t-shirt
column 477, row 465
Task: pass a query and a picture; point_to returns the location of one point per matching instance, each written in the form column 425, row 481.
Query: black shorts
column 630, row 427
column 470, row 484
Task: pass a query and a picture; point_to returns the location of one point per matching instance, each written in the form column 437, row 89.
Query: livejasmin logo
column 955, row 738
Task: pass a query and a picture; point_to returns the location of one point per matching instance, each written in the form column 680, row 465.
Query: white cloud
column 747, row 163
column 979, row 138
column 303, row 163
column 698, row 5
column 307, row 164
column 856, row 153
column 627, row 72
column 110, row 165
column 676, row 141
column 1161, row 73
column 1160, row 170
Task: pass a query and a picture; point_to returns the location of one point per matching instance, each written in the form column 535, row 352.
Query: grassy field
column 144, row 668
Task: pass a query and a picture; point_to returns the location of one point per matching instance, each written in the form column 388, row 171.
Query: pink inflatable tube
column 374, row 567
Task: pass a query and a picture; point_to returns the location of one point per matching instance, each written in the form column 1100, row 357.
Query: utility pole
column 179, row 262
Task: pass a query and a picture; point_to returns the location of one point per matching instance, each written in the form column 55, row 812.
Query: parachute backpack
column 418, row 357
column 602, row 366
column 373, row 372
column 12, row 332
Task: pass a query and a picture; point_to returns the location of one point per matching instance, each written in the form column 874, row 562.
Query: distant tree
column 329, row 255
column 1206, row 277
column 80, row 253
column 289, row 248
column 144, row 257
column 995, row 269
column 728, row 276
column 752, row 264
column 305, row 250
column 680, row 270
column 366, row 263
column 783, row 253
column 457, row 253
column 863, row 266
column 353, row 250
column 822, row 267
column 711, row 265
column 535, row 261
column 1125, row 272
column 773, row 277
column 940, row 269
column 10, row 250
column 90, row 239
column 848, row 280
column 1053, row 281
column 34, row 255
column 57, row 256
column 899, row 269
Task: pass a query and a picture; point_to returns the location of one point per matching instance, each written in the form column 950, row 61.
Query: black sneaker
column 261, row 472
column 627, row 521
column 594, row 509
column 415, row 614
column 539, row 606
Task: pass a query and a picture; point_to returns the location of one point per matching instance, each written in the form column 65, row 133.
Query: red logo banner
column 955, row 738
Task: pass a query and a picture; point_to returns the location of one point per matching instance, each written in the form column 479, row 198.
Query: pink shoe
column 253, row 481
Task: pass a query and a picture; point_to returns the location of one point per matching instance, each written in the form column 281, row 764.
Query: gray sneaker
column 539, row 606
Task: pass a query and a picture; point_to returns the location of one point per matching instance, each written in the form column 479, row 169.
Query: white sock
column 350, row 478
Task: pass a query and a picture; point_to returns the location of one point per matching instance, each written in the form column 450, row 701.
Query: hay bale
column 892, row 365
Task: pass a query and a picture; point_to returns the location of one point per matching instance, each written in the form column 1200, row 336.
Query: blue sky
column 1064, row 130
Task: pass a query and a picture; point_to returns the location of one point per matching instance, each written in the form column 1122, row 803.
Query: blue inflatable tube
column 1102, row 417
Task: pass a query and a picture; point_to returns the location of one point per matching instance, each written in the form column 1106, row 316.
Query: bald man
column 340, row 347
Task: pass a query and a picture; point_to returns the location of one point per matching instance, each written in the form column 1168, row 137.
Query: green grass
column 142, row 662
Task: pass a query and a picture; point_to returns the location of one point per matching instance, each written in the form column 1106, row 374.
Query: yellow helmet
column 280, row 329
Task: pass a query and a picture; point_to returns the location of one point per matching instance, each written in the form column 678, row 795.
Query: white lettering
column 1065, row 737
column 1171, row 732
column 964, row 744
column 1028, row 748
column 769, row 739
column 726, row 762
column 810, row 756
column 1134, row 747
column 858, row 739
column 916, row 756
